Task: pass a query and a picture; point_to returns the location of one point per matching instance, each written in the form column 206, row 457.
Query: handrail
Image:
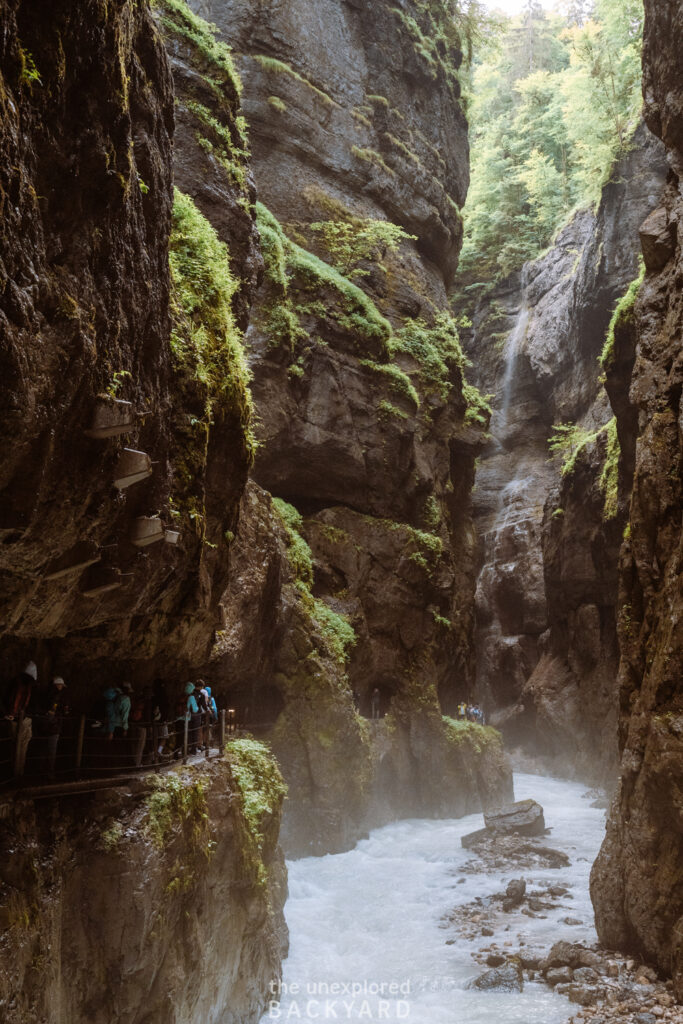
column 76, row 754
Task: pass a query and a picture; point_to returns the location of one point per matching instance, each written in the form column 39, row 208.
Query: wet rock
column 472, row 838
column 658, row 240
column 559, row 975
column 503, row 979
column 585, row 995
column 568, row 954
column 585, row 976
column 495, row 960
column 522, row 818
column 514, row 894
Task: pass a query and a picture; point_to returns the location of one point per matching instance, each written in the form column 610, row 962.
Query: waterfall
column 513, row 347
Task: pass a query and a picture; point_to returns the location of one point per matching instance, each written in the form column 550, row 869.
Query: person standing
column 49, row 722
column 374, row 704
column 15, row 705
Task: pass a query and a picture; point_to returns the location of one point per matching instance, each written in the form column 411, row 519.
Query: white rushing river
column 367, row 937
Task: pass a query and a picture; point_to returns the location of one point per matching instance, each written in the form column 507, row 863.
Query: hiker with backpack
column 117, row 709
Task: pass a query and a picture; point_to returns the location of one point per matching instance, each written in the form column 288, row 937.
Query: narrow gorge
column 338, row 380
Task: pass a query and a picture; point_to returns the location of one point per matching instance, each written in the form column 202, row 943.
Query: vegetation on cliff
column 555, row 103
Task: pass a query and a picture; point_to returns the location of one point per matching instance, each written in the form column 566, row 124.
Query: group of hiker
column 122, row 723
column 471, row 713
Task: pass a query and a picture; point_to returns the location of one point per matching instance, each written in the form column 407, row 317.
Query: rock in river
column 524, row 818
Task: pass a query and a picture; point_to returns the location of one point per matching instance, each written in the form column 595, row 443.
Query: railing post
column 207, row 733
column 222, row 731
column 186, row 738
column 79, row 742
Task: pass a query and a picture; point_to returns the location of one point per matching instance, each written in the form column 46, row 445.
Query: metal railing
column 37, row 749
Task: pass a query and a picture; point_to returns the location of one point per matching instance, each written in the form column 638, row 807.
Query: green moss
column 298, row 551
column 178, row 805
column 568, row 440
column 337, row 632
column 220, row 144
column 277, row 104
column 479, row 409
column 259, row 782
column 387, row 409
column 622, row 316
column 435, row 348
column 298, row 277
column 111, row 836
column 28, row 71
column 279, row 67
column 403, row 149
column 431, row 513
column 205, row 338
column 609, row 478
column 177, row 17
column 477, row 738
column 395, row 378
column 372, row 157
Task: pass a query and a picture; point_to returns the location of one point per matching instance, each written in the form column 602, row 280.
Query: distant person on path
column 16, row 700
column 374, row 704
column 462, row 710
column 49, row 721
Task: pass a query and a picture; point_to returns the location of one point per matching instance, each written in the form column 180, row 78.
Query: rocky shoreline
column 607, row 985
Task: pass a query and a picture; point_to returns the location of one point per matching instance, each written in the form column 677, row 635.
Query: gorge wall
column 347, row 563
column 636, row 882
column 366, row 426
column 550, row 531
column 142, row 903
column 87, row 312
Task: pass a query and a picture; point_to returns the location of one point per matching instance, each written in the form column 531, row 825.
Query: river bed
column 368, row 938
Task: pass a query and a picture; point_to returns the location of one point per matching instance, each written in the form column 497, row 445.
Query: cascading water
column 368, row 940
column 513, row 346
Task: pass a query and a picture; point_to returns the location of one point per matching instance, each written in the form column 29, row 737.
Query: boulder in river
column 523, row 818
column 514, row 894
column 503, row 979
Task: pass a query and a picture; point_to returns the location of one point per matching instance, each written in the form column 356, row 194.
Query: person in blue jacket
column 195, row 718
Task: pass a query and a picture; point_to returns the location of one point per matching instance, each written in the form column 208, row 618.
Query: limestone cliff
column 551, row 530
column 636, row 882
column 143, row 902
column 367, row 428
column 100, row 352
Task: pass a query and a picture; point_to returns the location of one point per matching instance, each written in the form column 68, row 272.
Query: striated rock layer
column 546, row 633
column 636, row 884
column 141, row 904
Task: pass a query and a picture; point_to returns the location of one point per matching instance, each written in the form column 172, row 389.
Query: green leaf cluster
column 555, row 102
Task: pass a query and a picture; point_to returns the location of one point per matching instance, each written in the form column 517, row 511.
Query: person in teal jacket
column 195, row 718
column 117, row 709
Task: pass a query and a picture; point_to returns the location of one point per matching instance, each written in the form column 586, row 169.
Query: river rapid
column 367, row 929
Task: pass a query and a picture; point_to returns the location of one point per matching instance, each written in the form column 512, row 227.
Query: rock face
column 367, row 431
column 636, row 885
column 546, row 636
column 85, row 154
column 141, row 904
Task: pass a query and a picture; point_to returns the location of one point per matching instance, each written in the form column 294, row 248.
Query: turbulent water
column 370, row 922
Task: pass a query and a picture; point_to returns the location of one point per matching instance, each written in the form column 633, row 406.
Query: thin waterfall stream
column 369, row 935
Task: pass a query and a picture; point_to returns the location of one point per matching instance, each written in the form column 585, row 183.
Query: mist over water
column 370, row 922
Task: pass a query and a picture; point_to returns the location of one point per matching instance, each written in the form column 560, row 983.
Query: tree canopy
column 555, row 99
